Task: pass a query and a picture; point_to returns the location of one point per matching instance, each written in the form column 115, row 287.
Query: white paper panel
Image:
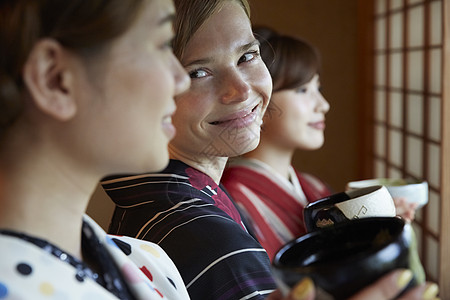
column 415, row 70
column 380, row 140
column 380, row 65
column 435, row 70
column 416, row 26
column 434, row 165
column 380, row 34
column 396, row 70
column 396, row 109
column 435, row 118
column 436, row 22
column 380, row 106
column 380, row 6
column 414, row 156
column 395, row 147
column 432, row 257
column 380, row 168
column 394, row 173
column 395, row 4
column 433, row 210
column 415, row 114
column 396, row 28
column 415, row 1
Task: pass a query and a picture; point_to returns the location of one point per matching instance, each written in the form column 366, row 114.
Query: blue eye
column 248, row 57
column 198, row 73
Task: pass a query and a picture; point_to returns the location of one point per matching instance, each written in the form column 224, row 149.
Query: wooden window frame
column 366, row 88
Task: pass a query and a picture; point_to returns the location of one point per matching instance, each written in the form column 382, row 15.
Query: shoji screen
column 409, row 113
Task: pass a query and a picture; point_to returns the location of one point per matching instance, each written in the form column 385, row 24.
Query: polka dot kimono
column 142, row 270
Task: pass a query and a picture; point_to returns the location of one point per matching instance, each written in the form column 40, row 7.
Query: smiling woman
column 222, row 113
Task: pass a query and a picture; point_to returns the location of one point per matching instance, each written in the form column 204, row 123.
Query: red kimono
column 272, row 204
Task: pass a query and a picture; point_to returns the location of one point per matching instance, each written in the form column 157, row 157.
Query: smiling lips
column 240, row 119
column 168, row 128
column 317, row 125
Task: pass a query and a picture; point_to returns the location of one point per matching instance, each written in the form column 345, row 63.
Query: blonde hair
column 191, row 15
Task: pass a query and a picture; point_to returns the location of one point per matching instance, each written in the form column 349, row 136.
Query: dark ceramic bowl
column 344, row 258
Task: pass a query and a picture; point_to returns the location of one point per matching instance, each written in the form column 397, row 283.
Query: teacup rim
column 376, row 181
column 345, row 196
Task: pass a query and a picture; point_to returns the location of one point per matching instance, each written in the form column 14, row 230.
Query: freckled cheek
column 266, row 82
column 262, row 82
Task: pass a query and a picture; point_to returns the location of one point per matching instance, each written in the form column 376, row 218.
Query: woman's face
column 220, row 115
column 296, row 118
column 131, row 95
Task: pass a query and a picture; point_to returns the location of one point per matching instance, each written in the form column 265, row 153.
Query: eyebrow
column 240, row 49
column 247, row 46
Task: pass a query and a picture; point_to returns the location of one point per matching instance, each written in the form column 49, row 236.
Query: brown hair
column 191, row 15
column 85, row 27
column 291, row 61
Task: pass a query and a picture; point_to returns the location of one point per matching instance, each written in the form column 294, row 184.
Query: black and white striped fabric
column 194, row 221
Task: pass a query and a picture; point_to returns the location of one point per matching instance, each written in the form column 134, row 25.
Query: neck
column 212, row 166
column 43, row 196
column 277, row 158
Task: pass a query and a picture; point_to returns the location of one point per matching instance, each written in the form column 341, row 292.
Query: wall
column 330, row 25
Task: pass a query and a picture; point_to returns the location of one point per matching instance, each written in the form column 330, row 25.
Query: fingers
column 405, row 209
column 392, row 284
column 428, row 291
column 304, row 290
column 387, row 287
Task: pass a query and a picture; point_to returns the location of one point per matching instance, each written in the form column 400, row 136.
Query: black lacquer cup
column 373, row 201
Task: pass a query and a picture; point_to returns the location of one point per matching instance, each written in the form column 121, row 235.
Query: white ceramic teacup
column 413, row 191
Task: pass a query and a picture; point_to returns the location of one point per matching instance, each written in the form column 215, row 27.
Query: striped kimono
column 272, row 204
column 186, row 213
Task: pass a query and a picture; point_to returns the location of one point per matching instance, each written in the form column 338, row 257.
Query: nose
column 235, row 87
column 182, row 79
column 322, row 104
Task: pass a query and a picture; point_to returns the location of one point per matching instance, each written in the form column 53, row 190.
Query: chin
column 158, row 163
column 313, row 147
column 250, row 147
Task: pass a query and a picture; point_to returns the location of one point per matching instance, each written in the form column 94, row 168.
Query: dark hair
column 84, row 26
column 191, row 14
column 291, row 61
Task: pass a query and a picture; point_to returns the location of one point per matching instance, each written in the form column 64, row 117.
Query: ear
column 49, row 77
